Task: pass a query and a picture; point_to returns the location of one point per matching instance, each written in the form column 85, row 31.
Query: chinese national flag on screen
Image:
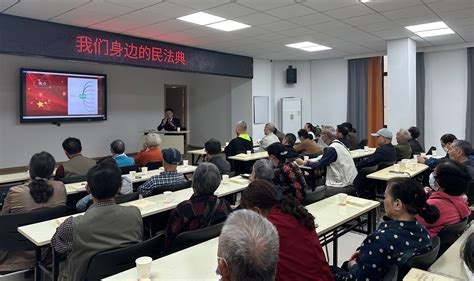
column 46, row 95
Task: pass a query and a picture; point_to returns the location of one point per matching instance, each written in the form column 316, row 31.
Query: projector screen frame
column 61, row 119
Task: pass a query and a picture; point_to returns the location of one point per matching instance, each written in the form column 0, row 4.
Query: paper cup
column 133, row 174
column 167, row 195
column 226, row 143
column 396, row 167
column 423, row 154
column 178, row 129
column 249, row 152
column 143, row 267
column 225, row 179
column 185, row 163
column 144, row 170
column 434, row 152
column 305, row 158
column 366, row 148
column 342, row 198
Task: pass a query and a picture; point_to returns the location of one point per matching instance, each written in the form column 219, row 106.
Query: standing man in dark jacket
column 385, row 151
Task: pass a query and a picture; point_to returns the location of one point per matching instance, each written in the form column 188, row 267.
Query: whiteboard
column 260, row 109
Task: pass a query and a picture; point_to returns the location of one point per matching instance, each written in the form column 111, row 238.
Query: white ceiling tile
column 199, row 4
column 410, row 12
column 350, row 12
column 379, row 26
column 393, row 33
column 291, row 11
column 467, row 34
column 375, row 44
column 297, row 31
column 271, row 36
column 457, row 14
column 91, row 13
column 165, row 27
column 451, row 5
column 325, row 5
column 42, row 10
column 444, row 39
column 278, row 26
column 137, row 4
column 257, row 19
column 353, row 48
column 460, row 22
column 250, row 32
column 169, row 9
column 5, row 4
column 264, row 5
column 383, row 6
column 417, row 20
column 311, row 19
column 366, row 20
column 129, row 21
column 231, row 11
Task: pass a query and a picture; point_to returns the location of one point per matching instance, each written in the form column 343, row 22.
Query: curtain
column 374, row 97
column 470, row 96
column 420, row 96
column 357, row 95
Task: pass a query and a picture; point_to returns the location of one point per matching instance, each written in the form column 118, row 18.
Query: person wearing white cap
column 385, row 151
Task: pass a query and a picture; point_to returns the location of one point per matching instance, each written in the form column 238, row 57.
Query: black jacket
column 384, row 153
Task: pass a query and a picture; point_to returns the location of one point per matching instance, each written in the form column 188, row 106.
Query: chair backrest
column 122, row 198
column 383, row 165
column 470, row 193
column 450, row 233
column 12, row 240
column 315, row 196
column 363, row 143
column 3, row 192
column 421, row 261
column 127, row 169
column 73, row 179
column 392, row 274
column 111, row 262
column 172, row 187
column 154, row 165
column 190, row 238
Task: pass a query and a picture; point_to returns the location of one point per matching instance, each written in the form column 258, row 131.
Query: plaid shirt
column 163, row 179
column 63, row 238
column 193, row 214
column 291, row 179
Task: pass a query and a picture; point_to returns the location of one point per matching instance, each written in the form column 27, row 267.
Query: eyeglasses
column 218, row 272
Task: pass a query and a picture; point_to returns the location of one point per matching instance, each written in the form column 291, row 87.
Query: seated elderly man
column 77, row 165
column 248, row 248
column 241, row 143
column 150, row 152
column 269, row 137
column 117, row 147
column 338, row 162
column 203, row 209
column 170, row 175
column 263, row 170
column 385, row 151
column 213, row 151
column 460, row 151
column 403, row 148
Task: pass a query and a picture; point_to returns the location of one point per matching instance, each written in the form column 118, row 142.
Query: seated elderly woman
column 286, row 174
column 263, row 170
column 297, row 261
column 403, row 148
column 37, row 193
column 150, row 151
column 203, row 209
column 451, row 180
column 397, row 240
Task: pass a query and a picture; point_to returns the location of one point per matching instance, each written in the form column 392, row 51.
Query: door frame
column 173, row 86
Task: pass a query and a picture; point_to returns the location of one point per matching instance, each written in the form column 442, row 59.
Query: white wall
column 135, row 98
column 262, row 85
column 241, row 104
column 445, row 95
column 302, row 89
column 329, row 91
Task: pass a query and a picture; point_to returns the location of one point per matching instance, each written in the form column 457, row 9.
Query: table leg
column 37, row 264
column 313, row 180
column 372, row 221
column 334, row 248
column 192, row 159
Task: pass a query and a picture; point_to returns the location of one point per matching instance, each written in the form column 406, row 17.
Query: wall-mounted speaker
column 291, row 75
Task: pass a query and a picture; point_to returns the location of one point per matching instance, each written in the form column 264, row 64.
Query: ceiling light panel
column 201, row 18
column 228, row 25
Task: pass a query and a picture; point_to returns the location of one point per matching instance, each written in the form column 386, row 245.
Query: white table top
column 14, row 177
column 386, row 174
column 40, row 233
column 251, row 157
column 200, row 262
column 450, row 263
column 72, row 188
column 416, row 274
column 359, row 153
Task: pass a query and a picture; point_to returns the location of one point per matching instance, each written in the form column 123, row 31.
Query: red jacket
column 301, row 256
column 146, row 156
column 452, row 209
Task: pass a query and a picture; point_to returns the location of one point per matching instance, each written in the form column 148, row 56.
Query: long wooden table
column 416, row 274
column 249, row 157
column 360, row 153
column 450, row 263
column 388, row 173
column 72, row 188
column 14, row 177
column 199, row 262
column 41, row 233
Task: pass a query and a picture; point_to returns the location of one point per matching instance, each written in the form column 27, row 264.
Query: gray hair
column 249, row 244
column 404, row 135
column 263, row 169
column 270, row 126
column 152, row 140
column 206, row 179
column 464, row 146
column 242, row 125
column 329, row 131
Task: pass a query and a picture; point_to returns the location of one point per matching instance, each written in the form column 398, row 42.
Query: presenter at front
column 169, row 123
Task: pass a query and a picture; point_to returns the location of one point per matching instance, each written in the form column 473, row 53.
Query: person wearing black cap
column 170, row 176
column 352, row 136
